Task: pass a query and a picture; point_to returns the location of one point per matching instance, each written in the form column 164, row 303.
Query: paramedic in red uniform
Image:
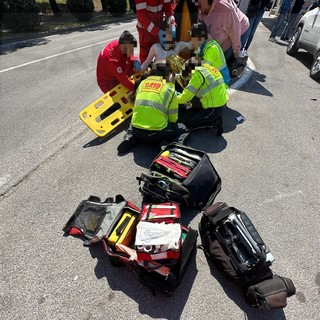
column 116, row 64
column 150, row 16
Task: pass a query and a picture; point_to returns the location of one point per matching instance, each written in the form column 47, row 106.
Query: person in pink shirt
column 226, row 23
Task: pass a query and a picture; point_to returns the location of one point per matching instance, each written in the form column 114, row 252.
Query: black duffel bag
column 231, row 241
column 233, row 244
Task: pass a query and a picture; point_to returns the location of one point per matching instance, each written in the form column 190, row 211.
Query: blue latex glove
column 136, row 65
column 178, row 93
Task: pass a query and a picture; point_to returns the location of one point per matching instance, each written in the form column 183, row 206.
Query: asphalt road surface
column 50, row 161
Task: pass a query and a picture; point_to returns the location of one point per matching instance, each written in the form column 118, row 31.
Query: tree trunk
column 104, row 5
column 54, row 7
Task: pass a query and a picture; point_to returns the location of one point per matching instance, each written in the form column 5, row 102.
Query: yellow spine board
column 106, row 113
column 124, row 231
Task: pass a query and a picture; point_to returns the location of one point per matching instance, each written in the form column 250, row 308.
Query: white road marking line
column 50, row 57
column 58, row 55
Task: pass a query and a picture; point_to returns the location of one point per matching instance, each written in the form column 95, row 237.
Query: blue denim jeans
column 289, row 29
column 254, row 22
column 277, row 26
column 229, row 52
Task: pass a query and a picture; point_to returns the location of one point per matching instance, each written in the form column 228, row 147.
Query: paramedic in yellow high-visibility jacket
column 206, row 84
column 155, row 112
column 209, row 50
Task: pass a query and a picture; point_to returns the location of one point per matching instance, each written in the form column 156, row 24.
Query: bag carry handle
column 118, row 198
column 94, row 199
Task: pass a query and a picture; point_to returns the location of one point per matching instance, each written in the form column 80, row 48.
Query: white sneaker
column 243, row 54
column 272, row 39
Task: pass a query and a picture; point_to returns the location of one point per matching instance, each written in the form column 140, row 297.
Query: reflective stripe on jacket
column 155, row 105
column 208, row 85
column 150, row 14
column 213, row 54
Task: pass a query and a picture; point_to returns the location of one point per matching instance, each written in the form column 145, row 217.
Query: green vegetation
column 20, row 15
column 46, row 8
column 118, row 7
column 81, row 9
column 45, row 19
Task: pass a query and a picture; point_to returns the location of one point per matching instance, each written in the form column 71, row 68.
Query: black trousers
column 199, row 117
column 173, row 132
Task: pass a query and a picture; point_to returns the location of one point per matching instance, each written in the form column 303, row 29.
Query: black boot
column 127, row 143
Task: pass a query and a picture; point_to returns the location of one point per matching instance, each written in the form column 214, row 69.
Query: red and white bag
column 168, row 212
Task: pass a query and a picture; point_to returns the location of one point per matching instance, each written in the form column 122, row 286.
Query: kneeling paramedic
column 209, row 50
column 206, row 84
column 116, row 63
column 155, row 112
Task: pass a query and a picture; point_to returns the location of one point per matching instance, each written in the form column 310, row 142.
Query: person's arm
column 191, row 89
column 142, row 16
column 233, row 30
column 120, row 75
column 167, row 8
column 182, row 45
column 173, row 110
column 152, row 54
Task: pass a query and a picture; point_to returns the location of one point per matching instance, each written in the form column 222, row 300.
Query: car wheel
column 292, row 47
column 315, row 68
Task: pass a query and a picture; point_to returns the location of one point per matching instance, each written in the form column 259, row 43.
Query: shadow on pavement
column 258, row 88
column 207, row 139
column 20, row 41
column 306, row 59
column 101, row 140
column 99, row 25
column 11, row 47
column 144, row 153
column 125, row 279
column 234, row 293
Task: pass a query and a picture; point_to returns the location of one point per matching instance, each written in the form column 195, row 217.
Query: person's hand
column 136, row 65
column 131, row 96
column 178, row 93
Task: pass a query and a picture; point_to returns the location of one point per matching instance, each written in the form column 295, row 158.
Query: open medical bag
column 167, row 284
column 159, row 232
column 114, row 222
column 183, row 175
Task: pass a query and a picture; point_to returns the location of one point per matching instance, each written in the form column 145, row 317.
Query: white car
column 307, row 37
